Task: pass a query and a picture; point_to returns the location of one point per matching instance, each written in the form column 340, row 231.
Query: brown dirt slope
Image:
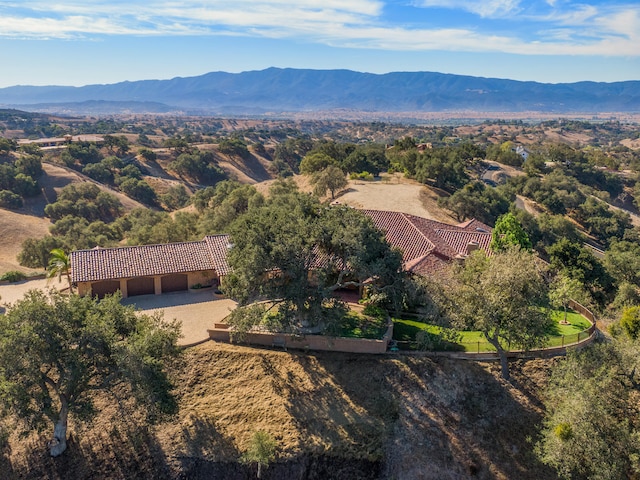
column 333, row 416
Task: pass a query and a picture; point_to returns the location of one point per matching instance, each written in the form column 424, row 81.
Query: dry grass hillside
column 15, row 228
column 339, row 416
column 29, row 221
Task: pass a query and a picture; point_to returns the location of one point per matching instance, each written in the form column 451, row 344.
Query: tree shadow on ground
column 415, row 417
column 458, row 419
column 126, row 451
column 204, row 445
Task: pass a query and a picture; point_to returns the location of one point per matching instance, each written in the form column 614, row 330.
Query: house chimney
column 472, row 247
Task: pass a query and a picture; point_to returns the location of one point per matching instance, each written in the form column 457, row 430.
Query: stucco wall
column 221, row 333
column 204, row 277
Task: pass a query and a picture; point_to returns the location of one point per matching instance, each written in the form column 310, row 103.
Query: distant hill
column 98, row 107
column 294, row 90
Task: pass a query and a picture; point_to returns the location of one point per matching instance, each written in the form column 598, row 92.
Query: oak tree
column 503, row 296
column 56, row 351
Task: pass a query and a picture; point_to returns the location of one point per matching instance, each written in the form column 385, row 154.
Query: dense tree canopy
column 592, row 425
column 509, row 233
column 296, row 252
column 84, row 200
column 477, row 200
column 622, row 261
column 577, row 262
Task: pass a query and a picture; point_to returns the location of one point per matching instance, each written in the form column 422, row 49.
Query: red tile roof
column 218, row 246
column 125, row 262
column 460, row 240
column 474, row 225
column 427, row 244
column 401, row 233
column 428, row 265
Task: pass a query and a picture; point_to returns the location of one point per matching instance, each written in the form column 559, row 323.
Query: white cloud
column 583, row 30
column 484, row 8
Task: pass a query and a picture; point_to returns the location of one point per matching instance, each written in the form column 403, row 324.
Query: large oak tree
column 296, row 252
column 56, row 351
column 504, row 297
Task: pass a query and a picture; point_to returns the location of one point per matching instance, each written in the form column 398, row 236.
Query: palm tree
column 59, row 265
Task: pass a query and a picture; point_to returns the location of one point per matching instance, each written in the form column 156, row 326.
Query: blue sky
column 79, row 42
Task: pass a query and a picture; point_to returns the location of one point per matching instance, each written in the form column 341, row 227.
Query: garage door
column 174, row 283
column 105, row 288
column 140, row 286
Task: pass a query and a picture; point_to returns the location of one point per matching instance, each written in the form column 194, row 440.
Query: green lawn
column 405, row 330
column 355, row 325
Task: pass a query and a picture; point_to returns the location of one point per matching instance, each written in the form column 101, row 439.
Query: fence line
column 483, row 348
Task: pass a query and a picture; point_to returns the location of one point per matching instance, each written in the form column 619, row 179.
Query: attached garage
column 175, row 283
column 107, row 287
column 140, row 286
column 150, row 269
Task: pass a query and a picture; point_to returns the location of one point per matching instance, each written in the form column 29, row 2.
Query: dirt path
column 395, row 194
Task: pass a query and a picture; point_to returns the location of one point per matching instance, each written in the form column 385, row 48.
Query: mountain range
column 299, row 90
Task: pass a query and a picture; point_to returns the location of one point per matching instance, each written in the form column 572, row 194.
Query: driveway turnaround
column 11, row 292
column 196, row 311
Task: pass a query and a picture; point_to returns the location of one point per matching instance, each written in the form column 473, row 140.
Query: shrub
column 374, row 311
column 563, row 431
column 13, row 276
column 630, row 322
column 10, row 200
column 362, row 176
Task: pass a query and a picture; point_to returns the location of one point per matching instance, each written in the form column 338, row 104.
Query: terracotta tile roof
column 430, row 228
column 428, row 265
column 218, row 246
column 460, row 240
column 474, row 225
column 428, row 244
column 125, row 262
column 401, row 233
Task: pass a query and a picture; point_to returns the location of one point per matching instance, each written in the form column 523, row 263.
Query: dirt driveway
column 394, row 194
column 11, row 292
